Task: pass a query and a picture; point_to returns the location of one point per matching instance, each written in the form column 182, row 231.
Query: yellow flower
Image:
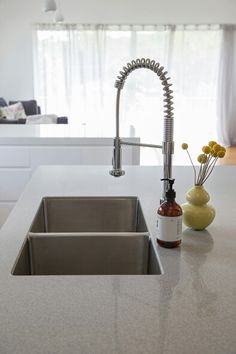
column 213, row 153
column 223, row 148
column 217, row 148
column 202, row 158
column 206, row 150
column 220, row 154
column 212, row 143
column 184, row 146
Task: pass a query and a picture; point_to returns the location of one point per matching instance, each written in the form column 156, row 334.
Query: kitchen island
column 25, row 147
column 190, row 308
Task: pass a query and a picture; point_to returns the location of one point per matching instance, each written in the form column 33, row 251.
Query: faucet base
column 117, row 173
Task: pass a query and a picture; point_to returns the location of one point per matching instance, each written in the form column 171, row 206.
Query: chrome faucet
column 168, row 143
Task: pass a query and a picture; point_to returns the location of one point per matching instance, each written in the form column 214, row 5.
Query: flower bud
column 206, row 149
column 217, row 148
column 202, row 158
column 184, row 146
column 220, row 154
column 212, row 143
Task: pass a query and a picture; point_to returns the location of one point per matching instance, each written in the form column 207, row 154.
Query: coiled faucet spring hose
column 168, row 98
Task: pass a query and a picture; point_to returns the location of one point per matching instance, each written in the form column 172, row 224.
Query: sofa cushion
column 62, row 120
column 3, row 103
column 30, row 107
column 42, row 119
column 14, row 111
column 12, row 121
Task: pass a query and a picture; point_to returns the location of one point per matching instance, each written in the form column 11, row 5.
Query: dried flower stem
column 194, row 169
column 213, row 165
column 207, row 160
column 205, row 170
column 199, row 175
column 209, row 168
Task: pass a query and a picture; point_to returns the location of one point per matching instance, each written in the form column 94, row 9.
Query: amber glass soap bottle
column 169, row 219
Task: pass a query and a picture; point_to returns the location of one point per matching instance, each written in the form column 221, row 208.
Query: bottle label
column 169, row 228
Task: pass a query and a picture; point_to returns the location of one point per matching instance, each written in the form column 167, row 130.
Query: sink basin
column 88, row 236
column 89, row 214
column 87, row 255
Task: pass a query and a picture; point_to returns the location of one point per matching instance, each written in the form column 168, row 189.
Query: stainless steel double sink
column 88, row 236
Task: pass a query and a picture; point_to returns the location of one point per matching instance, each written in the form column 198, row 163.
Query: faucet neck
column 168, row 144
column 118, row 113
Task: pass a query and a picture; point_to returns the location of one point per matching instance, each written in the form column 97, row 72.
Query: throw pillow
column 1, row 115
column 30, row 106
column 14, row 111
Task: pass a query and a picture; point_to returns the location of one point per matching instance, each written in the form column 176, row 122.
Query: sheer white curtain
column 226, row 126
column 76, row 67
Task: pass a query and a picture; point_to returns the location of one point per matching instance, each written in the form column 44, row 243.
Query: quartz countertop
column 190, row 308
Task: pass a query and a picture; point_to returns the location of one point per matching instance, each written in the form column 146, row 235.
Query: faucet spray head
column 116, row 160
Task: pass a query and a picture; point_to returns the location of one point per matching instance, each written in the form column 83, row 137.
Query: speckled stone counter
column 191, row 308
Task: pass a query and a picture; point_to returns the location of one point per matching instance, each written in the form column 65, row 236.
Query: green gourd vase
column 197, row 214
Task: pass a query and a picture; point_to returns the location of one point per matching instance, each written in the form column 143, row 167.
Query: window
column 76, row 67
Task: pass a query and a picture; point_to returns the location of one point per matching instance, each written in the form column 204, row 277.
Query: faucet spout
column 168, row 143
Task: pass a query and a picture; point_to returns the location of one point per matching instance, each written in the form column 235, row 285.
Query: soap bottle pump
column 169, row 219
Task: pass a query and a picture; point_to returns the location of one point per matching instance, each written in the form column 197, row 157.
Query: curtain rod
column 140, row 27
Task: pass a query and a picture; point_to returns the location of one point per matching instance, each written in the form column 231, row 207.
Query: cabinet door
column 12, row 183
column 14, row 156
column 5, row 209
column 102, row 155
column 80, row 155
column 54, row 155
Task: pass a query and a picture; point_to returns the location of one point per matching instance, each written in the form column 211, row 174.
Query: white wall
column 18, row 16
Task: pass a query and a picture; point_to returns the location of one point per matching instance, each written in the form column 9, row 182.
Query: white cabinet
column 102, row 155
column 11, row 156
column 18, row 161
column 15, row 173
column 12, row 183
column 80, row 155
column 53, row 155
column 5, row 209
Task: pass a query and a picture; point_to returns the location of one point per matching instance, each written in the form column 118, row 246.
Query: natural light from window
column 76, row 67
